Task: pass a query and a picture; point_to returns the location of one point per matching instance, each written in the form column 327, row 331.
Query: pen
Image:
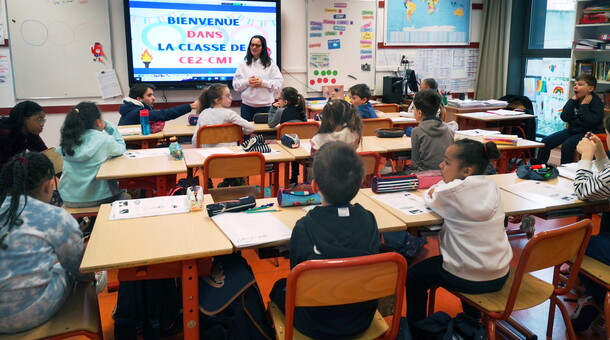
column 264, row 206
column 260, row 211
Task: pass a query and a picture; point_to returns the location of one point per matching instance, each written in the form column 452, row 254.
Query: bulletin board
column 58, row 46
column 340, row 43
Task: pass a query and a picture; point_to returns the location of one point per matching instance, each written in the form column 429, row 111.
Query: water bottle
column 144, row 122
column 175, row 150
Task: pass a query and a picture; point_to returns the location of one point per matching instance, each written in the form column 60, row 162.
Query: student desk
column 180, row 245
column 401, row 122
column 194, row 159
column 554, row 207
column 452, row 111
column 484, row 120
column 514, row 151
column 156, row 172
column 138, row 138
column 512, row 204
column 178, row 130
column 387, row 144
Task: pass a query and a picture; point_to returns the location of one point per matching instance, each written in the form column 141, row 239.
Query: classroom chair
column 600, row 274
column 371, row 160
column 305, row 130
column 344, row 281
column 222, row 133
column 79, row 316
column 369, row 125
column 547, row 249
column 388, row 108
column 231, row 166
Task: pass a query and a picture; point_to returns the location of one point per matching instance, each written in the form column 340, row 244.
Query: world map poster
column 427, row 22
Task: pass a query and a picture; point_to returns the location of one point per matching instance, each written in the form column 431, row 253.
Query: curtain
column 493, row 58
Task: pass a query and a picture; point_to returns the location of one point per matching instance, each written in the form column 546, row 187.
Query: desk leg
column 287, row 174
column 190, row 299
column 276, row 178
column 502, row 162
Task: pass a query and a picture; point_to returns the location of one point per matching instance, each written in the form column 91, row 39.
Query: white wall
column 294, row 64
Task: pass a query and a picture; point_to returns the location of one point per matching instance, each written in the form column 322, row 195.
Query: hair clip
column 76, row 110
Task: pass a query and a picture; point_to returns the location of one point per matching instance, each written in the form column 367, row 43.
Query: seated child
column 475, row 252
column 21, row 130
column 215, row 102
column 339, row 122
column 432, row 136
column 289, row 108
column 41, row 246
column 142, row 97
column 431, row 84
column 596, row 186
column 583, row 112
column 337, row 229
column 361, row 94
column 86, row 142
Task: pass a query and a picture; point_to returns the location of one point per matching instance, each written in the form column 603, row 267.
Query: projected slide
column 196, row 40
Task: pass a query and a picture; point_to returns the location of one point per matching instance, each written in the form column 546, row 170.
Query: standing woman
column 21, row 130
column 257, row 78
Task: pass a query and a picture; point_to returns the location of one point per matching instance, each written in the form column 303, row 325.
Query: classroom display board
column 341, row 43
column 58, row 47
column 439, row 22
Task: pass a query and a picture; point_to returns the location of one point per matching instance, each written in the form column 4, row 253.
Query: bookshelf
column 593, row 59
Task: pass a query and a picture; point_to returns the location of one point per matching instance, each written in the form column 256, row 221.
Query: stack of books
column 599, row 69
column 464, row 103
column 591, row 44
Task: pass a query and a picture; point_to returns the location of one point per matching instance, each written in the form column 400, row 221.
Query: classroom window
column 546, row 83
column 552, row 24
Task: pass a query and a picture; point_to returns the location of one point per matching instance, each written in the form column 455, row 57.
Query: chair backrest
column 387, row 107
column 371, row 161
column 234, row 165
column 345, row 281
column 602, row 137
column 369, row 125
column 305, row 130
column 223, row 133
column 552, row 248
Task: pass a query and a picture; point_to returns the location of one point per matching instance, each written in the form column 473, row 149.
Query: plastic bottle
column 175, row 150
column 144, row 123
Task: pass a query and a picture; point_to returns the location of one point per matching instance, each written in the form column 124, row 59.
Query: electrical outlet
column 365, row 67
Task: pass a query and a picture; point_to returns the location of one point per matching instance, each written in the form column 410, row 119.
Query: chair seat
column 377, row 328
column 597, row 269
column 229, row 193
column 80, row 313
column 532, row 292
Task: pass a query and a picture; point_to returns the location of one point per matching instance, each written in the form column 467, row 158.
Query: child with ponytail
column 475, row 252
column 289, row 108
column 41, row 245
column 214, row 103
column 86, row 142
column 340, row 121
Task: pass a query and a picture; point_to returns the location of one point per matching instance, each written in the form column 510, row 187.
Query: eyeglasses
column 256, row 45
column 229, row 96
column 41, row 120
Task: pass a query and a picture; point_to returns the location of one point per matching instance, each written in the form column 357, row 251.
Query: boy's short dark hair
column 432, row 84
column 361, row 90
column 587, row 78
column 338, row 170
column 138, row 90
column 428, row 101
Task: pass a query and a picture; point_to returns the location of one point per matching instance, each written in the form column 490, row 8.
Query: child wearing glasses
column 214, row 109
column 21, row 130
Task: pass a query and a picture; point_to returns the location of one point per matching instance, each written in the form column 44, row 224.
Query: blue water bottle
column 144, row 122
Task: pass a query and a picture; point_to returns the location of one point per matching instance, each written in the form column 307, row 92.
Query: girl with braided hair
column 86, row 142
column 41, row 245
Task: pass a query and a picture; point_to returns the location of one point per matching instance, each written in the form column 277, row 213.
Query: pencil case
column 193, row 119
column 394, row 183
column 540, row 172
column 240, row 204
column 299, row 195
column 390, row 132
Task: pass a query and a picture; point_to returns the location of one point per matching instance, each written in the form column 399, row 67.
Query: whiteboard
column 340, row 43
column 52, row 45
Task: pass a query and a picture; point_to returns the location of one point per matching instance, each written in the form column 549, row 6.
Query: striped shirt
column 593, row 186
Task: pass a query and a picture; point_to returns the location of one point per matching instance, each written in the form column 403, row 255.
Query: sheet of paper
column 130, row 131
column 569, row 170
column 476, row 132
column 306, row 146
column 406, row 202
column 527, row 189
column 245, row 230
column 146, row 153
column 506, row 112
column 477, row 114
column 212, row 151
column 108, row 83
column 155, row 206
column 402, row 119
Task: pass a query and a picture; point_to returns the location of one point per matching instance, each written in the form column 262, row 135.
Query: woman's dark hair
column 265, row 59
column 476, row 154
column 292, row 96
column 22, row 111
column 79, row 119
column 338, row 112
column 22, row 176
column 208, row 96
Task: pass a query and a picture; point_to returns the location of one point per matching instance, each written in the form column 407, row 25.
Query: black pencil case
column 240, row 204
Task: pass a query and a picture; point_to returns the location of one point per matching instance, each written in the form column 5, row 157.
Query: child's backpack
column 440, row 326
column 230, row 302
column 148, row 307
